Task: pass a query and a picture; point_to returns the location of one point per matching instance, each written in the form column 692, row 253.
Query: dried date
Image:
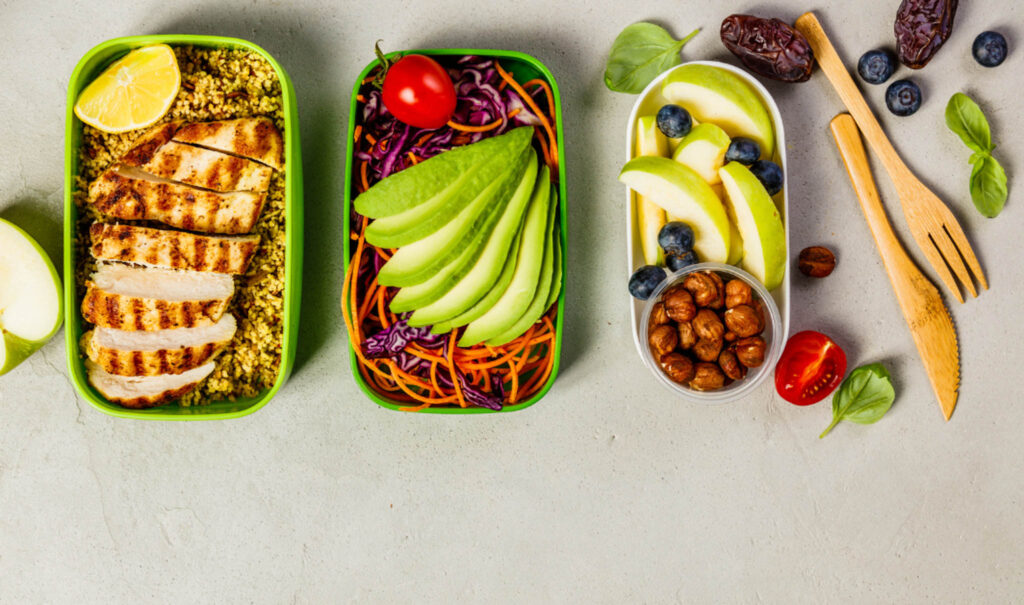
column 922, row 27
column 769, row 47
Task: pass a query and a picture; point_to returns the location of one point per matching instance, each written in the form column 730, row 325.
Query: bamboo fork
column 922, row 307
column 933, row 226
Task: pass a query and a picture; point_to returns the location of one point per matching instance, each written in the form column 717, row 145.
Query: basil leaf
column 988, row 186
column 641, row 52
column 864, row 397
column 967, row 121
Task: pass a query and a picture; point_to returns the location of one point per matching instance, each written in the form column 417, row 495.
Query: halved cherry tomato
column 811, row 367
column 419, row 92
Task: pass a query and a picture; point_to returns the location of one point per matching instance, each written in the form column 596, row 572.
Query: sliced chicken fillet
column 129, row 353
column 128, row 297
column 147, row 145
column 145, row 391
column 254, row 138
column 173, row 249
column 204, row 168
column 132, row 195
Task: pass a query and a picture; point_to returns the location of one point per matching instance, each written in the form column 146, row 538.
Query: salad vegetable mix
column 398, row 356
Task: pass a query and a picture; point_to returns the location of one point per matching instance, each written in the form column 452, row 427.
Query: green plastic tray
column 88, row 68
column 524, row 68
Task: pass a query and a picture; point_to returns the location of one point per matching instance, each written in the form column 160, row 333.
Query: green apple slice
column 715, row 95
column 759, row 223
column 704, row 151
column 650, row 217
column 686, row 196
column 30, row 306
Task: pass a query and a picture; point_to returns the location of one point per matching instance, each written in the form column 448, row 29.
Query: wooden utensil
column 933, row 226
column 927, row 316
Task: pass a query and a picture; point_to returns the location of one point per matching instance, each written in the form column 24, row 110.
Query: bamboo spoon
column 922, row 306
column 933, row 226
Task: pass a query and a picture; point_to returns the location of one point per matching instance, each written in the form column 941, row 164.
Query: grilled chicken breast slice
column 149, row 142
column 204, row 168
column 145, row 391
column 173, row 249
column 254, row 138
column 132, row 195
column 129, row 353
column 128, row 297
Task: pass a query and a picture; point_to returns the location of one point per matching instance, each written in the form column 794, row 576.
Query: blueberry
column 876, row 66
column 674, row 121
column 769, row 174
column 989, row 49
column 743, row 150
column 676, row 237
column 903, row 97
column 644, row 280
column 676, row 262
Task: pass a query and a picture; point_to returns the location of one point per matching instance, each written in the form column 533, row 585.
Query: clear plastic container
column 755, row 376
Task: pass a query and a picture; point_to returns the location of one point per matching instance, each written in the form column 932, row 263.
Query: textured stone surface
column 607, row 490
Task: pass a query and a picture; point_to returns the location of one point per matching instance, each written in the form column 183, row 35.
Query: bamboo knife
column 922, row 306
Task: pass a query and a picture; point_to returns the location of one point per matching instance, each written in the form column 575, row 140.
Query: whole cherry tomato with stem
column 811, row 367
column 418, row 91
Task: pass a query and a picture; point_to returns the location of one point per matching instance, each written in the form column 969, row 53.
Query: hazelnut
column 707, row 377
column 663, row 339
column 707, row 349
column 719, row 300
column 738, row 292
column 677, row 367
column 687, row 337
column 750, row 351
column 816, row 261
column 679, row 304
column 658, row 315
column 730, row 336
column 707, row 325
column 743, row 320
column 731, row 366
column 703, row 287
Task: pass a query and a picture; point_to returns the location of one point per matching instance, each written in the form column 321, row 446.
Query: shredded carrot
column 533, row 106
column 412, row 158
column 483, row 128
column 515, row 112
column 451, row 369
column 361, row 98
column 547, row 91
column 362, row 176
column 359, row 132
column 369, row 138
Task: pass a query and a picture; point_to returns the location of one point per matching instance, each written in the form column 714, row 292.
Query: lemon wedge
column 134, row 92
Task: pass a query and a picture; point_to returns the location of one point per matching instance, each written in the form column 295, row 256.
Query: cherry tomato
column 419, row 92
column 811, row 367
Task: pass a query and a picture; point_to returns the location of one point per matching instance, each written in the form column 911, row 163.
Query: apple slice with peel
column 650, row 217
column 30, row 307
column 684, row 195
column 759, row 224
column 704, row 151
column 712, row 94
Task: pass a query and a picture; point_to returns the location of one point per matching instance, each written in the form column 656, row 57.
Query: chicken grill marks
column 173, row 249
column 253, row 138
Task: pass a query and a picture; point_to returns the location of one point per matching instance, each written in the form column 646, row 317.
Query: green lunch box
column 524, row 68
column 87, row 69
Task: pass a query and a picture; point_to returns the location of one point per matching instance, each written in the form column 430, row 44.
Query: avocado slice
column 556, row 273
column 492, row 296
column 426, row 218
column 520, row 291
column 539, row 304
column 449, row 171
column 419, row 261
column 453, row 293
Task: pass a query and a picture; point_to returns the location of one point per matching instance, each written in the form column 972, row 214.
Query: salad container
column 648, row 103
column 523, row 67
column 90, row 66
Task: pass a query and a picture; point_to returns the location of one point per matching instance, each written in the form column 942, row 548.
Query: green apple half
column 715, row 95
column 30, row 306
column 704, row 151
column 650, row 217
column 759, row 224
column 687, row 197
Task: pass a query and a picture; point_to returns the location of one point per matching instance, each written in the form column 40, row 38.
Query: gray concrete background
column 606, row 491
